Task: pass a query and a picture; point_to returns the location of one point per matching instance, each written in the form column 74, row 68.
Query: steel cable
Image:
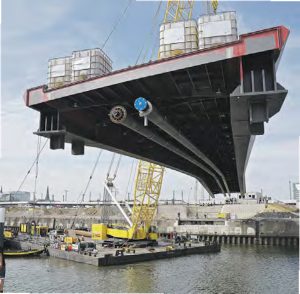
column 37, row 167
column 91, row 175
column 127, row 189
column 86, row 187
column 116, row 24
column 154, row 20
column 34, row 162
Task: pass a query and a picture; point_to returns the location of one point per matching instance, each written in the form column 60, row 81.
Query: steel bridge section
column 218, row 99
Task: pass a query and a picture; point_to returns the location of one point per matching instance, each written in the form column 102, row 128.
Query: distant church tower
column 47, row 198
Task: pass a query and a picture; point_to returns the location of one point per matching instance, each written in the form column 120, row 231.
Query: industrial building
column 296, row 191
column 15, row 196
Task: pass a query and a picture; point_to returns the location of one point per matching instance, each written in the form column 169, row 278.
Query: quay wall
column 255, row 220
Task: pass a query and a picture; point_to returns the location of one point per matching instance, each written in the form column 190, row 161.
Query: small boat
column 23, row 253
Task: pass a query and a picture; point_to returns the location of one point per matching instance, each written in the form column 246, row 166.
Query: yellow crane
column 146, row 194
column 178, row 10
column 149, row 176
column 148, row 185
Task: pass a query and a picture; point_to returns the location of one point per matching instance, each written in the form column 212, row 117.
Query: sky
column 32, row 31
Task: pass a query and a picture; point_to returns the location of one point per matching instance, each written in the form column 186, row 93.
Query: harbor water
column 236, row 269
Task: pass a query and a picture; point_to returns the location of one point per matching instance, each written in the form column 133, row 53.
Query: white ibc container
column 59, row 72
column 89, row 63
column 217, row 29
column 178, row 38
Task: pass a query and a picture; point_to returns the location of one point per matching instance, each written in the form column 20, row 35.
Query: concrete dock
column 259, row 224
column 106, row 256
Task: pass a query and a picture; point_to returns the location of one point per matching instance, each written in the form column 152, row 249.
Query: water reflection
column 244, row 269
column 139, row 277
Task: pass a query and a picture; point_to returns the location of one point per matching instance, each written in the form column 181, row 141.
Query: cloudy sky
column 33, row 31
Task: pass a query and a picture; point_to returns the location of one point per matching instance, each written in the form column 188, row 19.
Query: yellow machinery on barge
column 147, row 191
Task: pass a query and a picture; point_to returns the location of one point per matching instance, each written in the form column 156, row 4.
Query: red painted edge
column 284, row 33
column 239, row 49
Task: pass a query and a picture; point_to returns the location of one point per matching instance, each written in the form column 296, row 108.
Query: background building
column 15, row 196
column 295, row 191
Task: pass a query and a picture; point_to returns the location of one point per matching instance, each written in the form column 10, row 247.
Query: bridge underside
column 218, row 99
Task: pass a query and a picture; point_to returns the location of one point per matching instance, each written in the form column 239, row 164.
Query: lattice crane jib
column 147, row 191
column 177, row 10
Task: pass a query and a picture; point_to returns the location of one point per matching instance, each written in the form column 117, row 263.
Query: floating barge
column 106, row 256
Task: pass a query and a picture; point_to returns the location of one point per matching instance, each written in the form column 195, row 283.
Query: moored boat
column 23, row 253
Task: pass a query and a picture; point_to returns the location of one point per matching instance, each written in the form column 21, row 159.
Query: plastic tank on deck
column 178, row 38
column 89, row 63
column 59, row 72
column 217, row 29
